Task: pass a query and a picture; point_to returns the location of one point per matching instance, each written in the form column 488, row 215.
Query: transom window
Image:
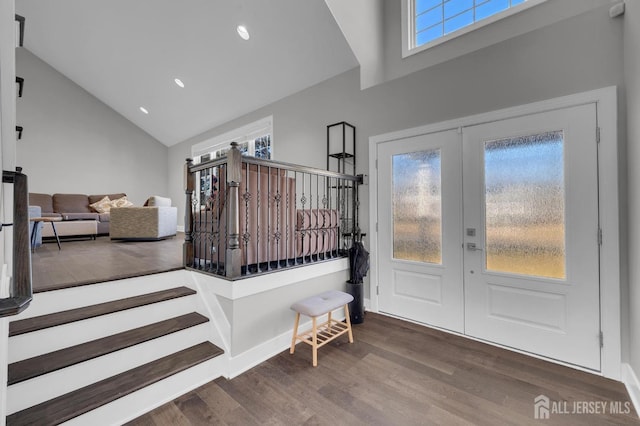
column 435, row 21
column 254, row 139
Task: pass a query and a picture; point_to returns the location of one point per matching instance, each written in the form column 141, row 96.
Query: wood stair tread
column 80, row 401
column 51, row 320
column 52, row 361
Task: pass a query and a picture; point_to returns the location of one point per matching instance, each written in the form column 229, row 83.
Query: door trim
column 608, row 203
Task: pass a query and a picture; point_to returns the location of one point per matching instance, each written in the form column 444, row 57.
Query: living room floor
column 82, row 262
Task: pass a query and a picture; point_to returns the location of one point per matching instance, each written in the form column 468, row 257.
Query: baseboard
column 258, row 354
column 180, row 228
column 631, row 382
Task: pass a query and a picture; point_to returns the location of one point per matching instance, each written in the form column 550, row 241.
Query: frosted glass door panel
column 419, row 245
column 531, row 266
column 525, row 205
column 417, row 206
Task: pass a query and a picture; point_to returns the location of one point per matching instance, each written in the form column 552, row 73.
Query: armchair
column 155, row 221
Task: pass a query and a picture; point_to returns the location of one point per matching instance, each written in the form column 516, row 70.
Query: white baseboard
column 180, row 228
column 258, row 354
column 631, row 382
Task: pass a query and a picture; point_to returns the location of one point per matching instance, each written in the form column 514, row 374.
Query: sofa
column 156, row 220
column 78, row 216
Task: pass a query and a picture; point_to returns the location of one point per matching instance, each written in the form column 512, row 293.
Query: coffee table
column 51, row 220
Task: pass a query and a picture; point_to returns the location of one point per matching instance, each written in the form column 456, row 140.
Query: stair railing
column 252, row 216
column 21, row 292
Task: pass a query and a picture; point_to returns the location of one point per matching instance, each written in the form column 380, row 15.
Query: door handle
column 472, row 246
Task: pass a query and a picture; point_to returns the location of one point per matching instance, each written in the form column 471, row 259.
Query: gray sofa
column 78, row 218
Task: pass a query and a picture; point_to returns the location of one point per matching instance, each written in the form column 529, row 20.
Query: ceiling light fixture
column 143, row 109
column 243, row 32
column 179, row 82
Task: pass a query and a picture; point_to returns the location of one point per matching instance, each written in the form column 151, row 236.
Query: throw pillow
column 102, row 206
column 121, row 202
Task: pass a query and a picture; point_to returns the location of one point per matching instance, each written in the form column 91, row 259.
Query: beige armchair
column 155, row 221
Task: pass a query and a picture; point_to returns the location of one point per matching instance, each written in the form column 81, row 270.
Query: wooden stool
column 321, row 334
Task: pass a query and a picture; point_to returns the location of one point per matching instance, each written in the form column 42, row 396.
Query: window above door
column 429, row 23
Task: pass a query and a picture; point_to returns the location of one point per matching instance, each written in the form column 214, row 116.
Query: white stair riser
column 39, row 389
column 70, row 298
column 39, row 342
column 134, row 405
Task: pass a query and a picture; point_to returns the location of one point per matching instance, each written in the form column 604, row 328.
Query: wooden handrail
column 21, row 286
column 193, row 168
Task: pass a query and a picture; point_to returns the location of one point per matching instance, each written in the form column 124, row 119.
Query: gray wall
column 579, row 54
column 259, row 318
column 74, row 143
column 632, row 74
column 548, row 13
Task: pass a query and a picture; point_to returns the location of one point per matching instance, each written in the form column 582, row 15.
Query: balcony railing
column 248, row 216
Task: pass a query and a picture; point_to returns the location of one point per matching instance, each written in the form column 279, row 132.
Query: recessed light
column 243, row 32
column 179, row 82
column 143, row 109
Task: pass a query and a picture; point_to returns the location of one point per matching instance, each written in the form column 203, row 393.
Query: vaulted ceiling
column 128, row 53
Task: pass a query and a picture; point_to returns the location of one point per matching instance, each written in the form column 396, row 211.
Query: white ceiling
column 127, row 54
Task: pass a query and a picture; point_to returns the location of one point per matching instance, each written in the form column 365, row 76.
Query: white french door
column 420, row 252
column 493, row 232
column 531, row 195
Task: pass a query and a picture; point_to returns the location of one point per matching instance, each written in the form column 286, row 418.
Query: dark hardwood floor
column 83, row 262
column 398, row 373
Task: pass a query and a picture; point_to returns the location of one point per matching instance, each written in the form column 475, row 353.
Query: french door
column 419, row 195
column 493, row 232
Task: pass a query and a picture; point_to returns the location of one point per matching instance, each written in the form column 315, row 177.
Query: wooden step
column 52, row 361
column 51, row 320
column 73, row 404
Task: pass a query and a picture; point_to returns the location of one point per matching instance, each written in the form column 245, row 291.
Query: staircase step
column 82, row 400
column 52, row 361
column 51, row 320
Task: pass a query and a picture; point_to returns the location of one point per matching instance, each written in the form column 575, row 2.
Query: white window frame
column 247, row 133
column 408, row 26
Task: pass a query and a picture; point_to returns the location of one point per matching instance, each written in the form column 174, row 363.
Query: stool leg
column 295, row 334
column 315, row 342
column 346, row 314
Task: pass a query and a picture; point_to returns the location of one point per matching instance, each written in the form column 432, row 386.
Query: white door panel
column 420, row 227
column 530, row 191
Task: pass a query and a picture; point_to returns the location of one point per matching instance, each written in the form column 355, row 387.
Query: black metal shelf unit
column 341, row 148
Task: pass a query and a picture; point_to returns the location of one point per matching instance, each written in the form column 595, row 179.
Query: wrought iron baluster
column 268, row 224
column 247, row 210
column 303, row 202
